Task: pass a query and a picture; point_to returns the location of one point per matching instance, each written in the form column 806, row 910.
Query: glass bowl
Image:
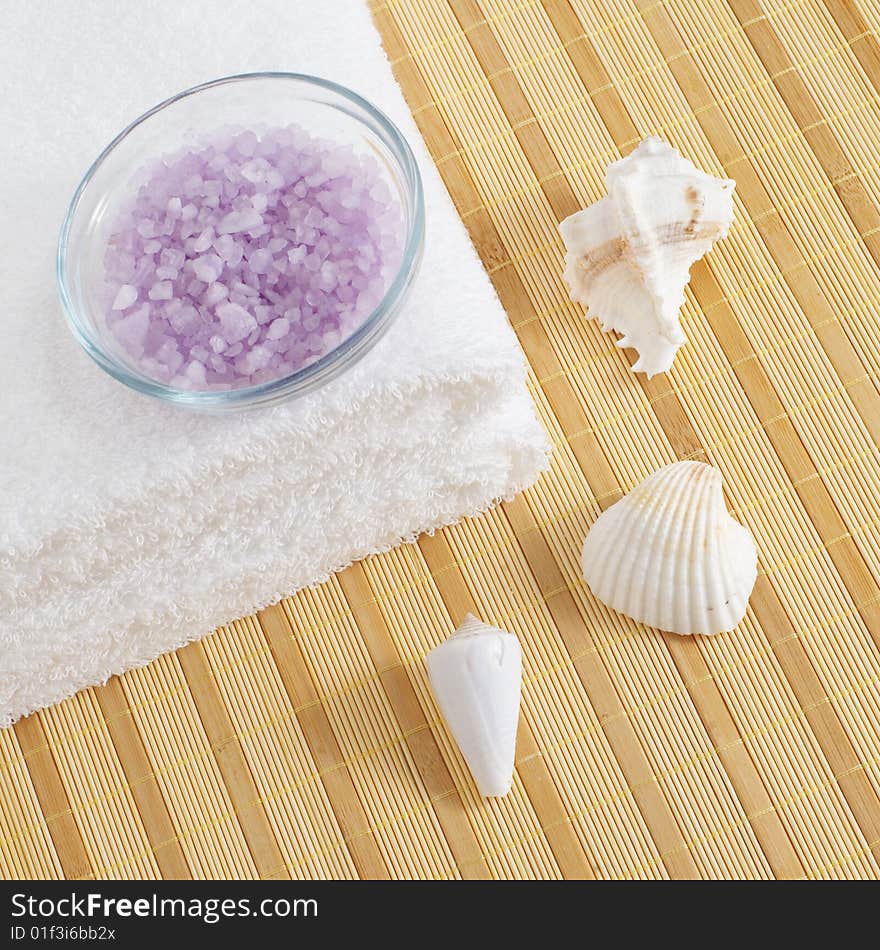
column 251, row 100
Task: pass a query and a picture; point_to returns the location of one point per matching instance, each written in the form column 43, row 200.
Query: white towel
column 128, row 527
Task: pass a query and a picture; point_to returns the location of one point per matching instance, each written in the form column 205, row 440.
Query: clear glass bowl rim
column 330, row 365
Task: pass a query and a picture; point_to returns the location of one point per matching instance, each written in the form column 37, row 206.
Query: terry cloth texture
column 128, row 527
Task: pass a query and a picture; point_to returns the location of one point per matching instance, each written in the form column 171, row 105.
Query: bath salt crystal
column 207, row 268
column 246, row 143
column 224, row 246
column 172, row 257
column 260, row 261
column 195, row 373
column 252, row 257
column 184, row 321
column 204, row 240
column 296, row 255
column 229, row 251
column 125, row 297
column 245, row 289
column 263, row 313
column 169, row 355
column 214, row 294
column 253, row 360
column 313, row 217
column 235, row 321
column 192, row 186
column 131, row 331
column 155, row 369
column 328, row 277
column 237, row 221
column 161, row 290
column 254, row 171
column 278, row 328
column 380, row 193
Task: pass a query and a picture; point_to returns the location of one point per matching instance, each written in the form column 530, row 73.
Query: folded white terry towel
column 128, row 527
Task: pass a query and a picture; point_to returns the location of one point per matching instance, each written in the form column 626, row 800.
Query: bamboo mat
column 303, row 742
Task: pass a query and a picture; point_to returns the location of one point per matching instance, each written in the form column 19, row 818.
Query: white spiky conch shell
column 669, row 555
column 629, row 255
column 476, row 677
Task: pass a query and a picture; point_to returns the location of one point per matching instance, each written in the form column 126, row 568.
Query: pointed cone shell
column 669, row 555
column 476, row 677
column 628, row 256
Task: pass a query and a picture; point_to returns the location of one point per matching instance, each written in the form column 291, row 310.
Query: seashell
column 476, row 677
column 628, row 256
column 669, row 555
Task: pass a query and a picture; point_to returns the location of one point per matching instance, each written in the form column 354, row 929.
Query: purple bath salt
column 249, row 258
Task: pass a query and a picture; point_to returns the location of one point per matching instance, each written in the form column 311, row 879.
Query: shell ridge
column 605, row 569
column 664, row 485
column 743, row 571
column 681, row 490
column 666, row 480
column 599, row 575
column 627, row 572
column 724, row 581
column 711, row 567
column 691, row 593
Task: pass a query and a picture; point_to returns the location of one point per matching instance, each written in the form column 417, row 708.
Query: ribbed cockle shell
column 669, row 555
